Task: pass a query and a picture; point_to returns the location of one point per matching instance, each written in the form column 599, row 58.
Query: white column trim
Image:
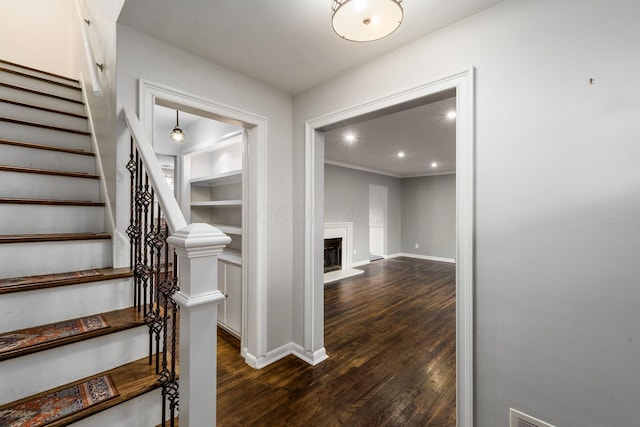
column 463, row 82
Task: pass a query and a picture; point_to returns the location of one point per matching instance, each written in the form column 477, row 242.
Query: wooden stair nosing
column 39, row 71
column 49, row 202
column 43, row 126
column 118, row 320
column 131, row 380
column 42, row 79
column 6, row 287
column 37, row 92
column 37, row 107
column 61, row 237
column 20, row 169
column 46, row 147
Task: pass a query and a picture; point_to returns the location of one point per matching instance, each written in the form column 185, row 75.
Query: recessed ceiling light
column 350, row 137
column 434, row 164
column 401, row 154
column 451, row 115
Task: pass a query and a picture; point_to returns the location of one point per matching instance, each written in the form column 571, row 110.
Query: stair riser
column 28, row 114
column 41, row 100
column 36, row 258
column 43, row 219
column 41, row 371
column 143, row 411
column 37, row 135
column 41, row 86
column 22, row 310
column 15, row 155
column 38, row 74
column 34, row 186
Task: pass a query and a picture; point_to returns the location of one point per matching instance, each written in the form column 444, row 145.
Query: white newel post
column 198, row 247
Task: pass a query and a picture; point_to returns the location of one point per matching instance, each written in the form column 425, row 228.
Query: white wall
column 429, row 216
column 557, row 200
column 103, row 15
column 140, row 56
column 40, row 34
column 346, row 198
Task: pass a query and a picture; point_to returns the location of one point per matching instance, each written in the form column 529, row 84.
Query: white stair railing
column 196, row 247
column 89, row 54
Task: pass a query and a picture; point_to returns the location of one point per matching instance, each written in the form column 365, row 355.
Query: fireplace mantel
column 342, row 230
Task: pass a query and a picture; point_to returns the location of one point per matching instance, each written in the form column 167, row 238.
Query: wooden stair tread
column 22, row 169
column 29, row 283
column 37, row 92
column 131, row 380
column 42, row 79
column 46, row 147
column 37, row 107
column 43, row 126
column 54, row 237
column 118, row 320
column 16, row 201
column 39, row 71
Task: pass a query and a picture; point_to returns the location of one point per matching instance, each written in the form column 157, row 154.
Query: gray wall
column 557, row 199
column 346, row 198
column 429, row 216
column 141, row 56
column 421, row 210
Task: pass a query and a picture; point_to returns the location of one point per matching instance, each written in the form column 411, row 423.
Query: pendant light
column 366, row 20
column 177, row 134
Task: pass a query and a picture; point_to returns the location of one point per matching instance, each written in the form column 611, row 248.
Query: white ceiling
column 288, row 44
column 423, row 133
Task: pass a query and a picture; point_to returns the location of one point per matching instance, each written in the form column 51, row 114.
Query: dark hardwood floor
column 390, row 337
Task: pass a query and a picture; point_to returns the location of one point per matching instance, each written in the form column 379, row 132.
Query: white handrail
column 93, row 65
column 173, row 214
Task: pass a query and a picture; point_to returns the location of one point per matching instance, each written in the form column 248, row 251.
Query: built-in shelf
column 233, row 177
column 232, row 256
column 219, row 203
column 229, row 229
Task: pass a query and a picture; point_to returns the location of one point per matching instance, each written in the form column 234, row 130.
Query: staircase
column 56, row 265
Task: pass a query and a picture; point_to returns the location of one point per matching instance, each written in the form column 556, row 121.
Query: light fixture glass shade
column 177, row 134
column 366, row 20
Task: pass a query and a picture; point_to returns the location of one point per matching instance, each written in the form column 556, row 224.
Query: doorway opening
column 223, row 183
column 460, row 85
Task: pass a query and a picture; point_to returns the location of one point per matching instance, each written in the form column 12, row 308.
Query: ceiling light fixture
column 350, row 137
column 434, row 164
column 451, row 115
column 177, row 134
column 366, row 20
column 401, row 154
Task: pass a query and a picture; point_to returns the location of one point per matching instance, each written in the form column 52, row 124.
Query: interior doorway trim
column 254, row 254
column 463, row 83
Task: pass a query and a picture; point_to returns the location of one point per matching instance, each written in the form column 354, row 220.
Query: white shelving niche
column 216, row 197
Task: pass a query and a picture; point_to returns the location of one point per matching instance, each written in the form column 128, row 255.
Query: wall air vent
column 519, row 419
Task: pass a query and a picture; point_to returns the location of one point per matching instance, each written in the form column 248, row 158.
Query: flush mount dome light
column 366, row 20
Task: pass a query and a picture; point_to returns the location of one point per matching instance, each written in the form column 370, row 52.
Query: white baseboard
column 284, row 351
column 361, row 263
column 430, row 258
column 312, row 358
column 271, row 357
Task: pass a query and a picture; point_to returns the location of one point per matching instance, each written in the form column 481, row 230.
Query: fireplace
column 332, row 254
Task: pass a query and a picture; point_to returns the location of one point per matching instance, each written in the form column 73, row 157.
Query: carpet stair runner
column 71, row 345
